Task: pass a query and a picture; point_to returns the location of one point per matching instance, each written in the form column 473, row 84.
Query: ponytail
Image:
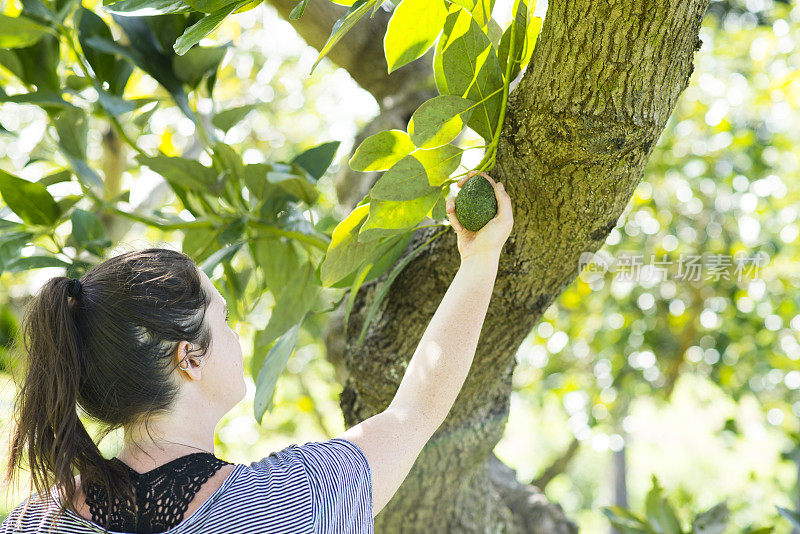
column 48, row 428
column 106, row 344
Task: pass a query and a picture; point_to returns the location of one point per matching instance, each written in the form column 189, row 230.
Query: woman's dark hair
column 110, row 350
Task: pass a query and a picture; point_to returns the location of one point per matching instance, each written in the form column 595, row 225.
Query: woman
column 142, row 343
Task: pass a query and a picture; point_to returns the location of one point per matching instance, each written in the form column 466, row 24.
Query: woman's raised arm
column 392, row 439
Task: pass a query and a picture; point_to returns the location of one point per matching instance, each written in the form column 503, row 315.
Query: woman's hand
column 489, row 240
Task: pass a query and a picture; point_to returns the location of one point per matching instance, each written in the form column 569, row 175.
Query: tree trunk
column 581, row 124
column 604, row 78
column 797, row 463
column 619, row 479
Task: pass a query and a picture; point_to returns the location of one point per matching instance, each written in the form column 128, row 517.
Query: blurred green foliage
column 699, row 275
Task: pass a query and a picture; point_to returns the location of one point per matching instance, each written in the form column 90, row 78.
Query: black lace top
column 164, row 494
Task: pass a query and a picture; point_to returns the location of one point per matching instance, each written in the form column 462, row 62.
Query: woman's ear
column 186, row 362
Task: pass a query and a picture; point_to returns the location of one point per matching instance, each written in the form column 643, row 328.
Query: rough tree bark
column 581, row 124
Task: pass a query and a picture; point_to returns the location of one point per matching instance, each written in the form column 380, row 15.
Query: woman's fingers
column 451, row 214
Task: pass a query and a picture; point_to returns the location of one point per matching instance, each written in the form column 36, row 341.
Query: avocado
column 476, row 203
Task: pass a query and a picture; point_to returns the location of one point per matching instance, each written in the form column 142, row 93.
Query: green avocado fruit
column 476, row 203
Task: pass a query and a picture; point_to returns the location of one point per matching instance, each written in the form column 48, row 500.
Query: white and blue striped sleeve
column 341, row 486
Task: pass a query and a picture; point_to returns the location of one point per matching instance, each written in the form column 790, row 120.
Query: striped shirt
column 318, row 487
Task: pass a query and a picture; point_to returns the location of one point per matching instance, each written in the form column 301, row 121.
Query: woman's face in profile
column 223, row 372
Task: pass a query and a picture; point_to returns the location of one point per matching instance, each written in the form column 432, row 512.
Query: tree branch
column 558, row 466
column 531, row 510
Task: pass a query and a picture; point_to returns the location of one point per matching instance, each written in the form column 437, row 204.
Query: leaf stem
column 489, row 157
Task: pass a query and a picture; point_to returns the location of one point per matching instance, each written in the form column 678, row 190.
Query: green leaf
column 389, row 217
column 342, row 26
column 398, row 268
column 471, row 69
column 627, row 522
column 518, row 29
column 274, row 364
column 29, row 200
column 37, row 11
column 659, row 512
column 11, row 244
column 382, row 259
column 224, row 254
column 43, row 99
column 26, row 263
column 197, row 63
column 317, row 159
column 113, row 104
column 204, row 26
column 255, row 178
column 55, row 178
column 356, row 285
column 298, row 10
column 714, row 520
column 531, row 36
column 277, row 258
column 345, row 252
column 72, row 127
column 291, row 218
column 144, row 117
column 439, row 163
column 481, row 10
column 65, row 203
column 208, row 6
column 453, row 14
column 9, row 60
column 147, row 53
column 88, row 232
column 146, row 8
column 494, row 32
column 107, row 67
column 296, row 184
column 792, row 516
column 380, row 151
column 291, row 306
column 411, row 31
column 20, row 31
column 186, row 173
column 228, row 118
column 439, row 120
column 40, row 64
column 406, row 180
column 229, row 162
column 439, row 210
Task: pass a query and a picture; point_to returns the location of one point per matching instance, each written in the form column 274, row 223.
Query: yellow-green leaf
column 345, row 252
column 439, row 120
column 406, row 180
column 387, row 217
column 380, row 151
column 439, row 163
column 19, row 32
column 411, row 31
column 342, row 26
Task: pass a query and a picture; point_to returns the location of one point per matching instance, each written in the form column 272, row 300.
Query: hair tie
column 74, row 289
